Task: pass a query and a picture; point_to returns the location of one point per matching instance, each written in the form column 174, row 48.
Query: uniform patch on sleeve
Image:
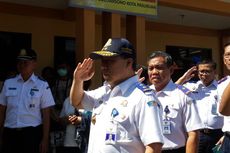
column 222, row 80
column 184, row 89
column 145, row 89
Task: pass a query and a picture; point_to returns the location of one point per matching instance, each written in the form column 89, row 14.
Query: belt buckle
column 18, row 129
column 206, row 131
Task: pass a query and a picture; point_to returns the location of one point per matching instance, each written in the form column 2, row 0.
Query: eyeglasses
column 207, row 72
column 227, row 55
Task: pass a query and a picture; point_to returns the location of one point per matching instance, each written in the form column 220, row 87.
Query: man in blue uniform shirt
column 25, row 102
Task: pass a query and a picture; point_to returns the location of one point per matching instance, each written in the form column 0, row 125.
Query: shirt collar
column 213, row 83
column 123, row 86
column 167, row 89
column 32, row 78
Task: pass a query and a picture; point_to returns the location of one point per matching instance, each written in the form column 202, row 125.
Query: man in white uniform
column 181, row 122
column 205, row 91
column 126, row 114
column 25, row 102
column 222, row 84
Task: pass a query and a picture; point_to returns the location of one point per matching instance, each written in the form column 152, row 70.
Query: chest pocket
column 174, row 111
column 11, row 96
column 34, row 98
column 34, row 94
column 11, row 93
column 123, row 115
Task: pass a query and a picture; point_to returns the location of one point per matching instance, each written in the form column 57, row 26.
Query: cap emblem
column 107, row 45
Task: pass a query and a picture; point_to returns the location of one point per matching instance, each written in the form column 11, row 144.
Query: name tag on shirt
column 111, row 133
column 166, row 127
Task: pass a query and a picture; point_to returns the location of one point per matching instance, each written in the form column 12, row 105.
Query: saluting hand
column 190, row 73
column 84, row 71
column 138, row 72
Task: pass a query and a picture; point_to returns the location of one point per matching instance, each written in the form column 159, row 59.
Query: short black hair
column 226, row 44
column 168, row 58
column 207, row 61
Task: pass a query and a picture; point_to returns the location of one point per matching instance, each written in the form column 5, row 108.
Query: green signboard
column 133, row 7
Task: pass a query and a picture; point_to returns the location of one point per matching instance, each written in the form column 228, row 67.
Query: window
column 186, row 57
column 64, row 51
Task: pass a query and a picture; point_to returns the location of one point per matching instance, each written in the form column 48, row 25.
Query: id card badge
column 166, row 127
column 214, row 109
column 111, row 133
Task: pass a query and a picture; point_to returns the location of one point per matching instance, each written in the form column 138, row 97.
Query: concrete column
column 85, row 39
column 111, row 26
column 85, row 32
column 135, row 33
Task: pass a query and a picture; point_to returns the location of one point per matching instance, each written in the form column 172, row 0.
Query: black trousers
column 207, row 140
column 68, row 150
column 179, row 150
column 22, row 140
column 225, row 147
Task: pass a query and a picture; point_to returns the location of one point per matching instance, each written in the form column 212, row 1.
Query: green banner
column 133, row 7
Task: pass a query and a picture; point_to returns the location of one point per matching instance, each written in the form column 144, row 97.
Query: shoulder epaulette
column 184, row 89
column 144, row 88
column 192, row 81
column 10, row 77
column 40, row 78
column 222, row 79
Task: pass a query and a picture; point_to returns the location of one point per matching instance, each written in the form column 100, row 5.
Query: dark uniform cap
column 115, row 47
column 27, row 54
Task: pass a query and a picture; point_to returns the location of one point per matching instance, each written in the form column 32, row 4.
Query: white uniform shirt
column 130, row 110
column 222, row 84
column 61, row 90
column 207, row 103
column 183, row 114
column 24, row 101
column 67, row 110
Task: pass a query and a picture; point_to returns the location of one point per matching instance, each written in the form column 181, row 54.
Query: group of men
column 163, row 117
column 127, row 116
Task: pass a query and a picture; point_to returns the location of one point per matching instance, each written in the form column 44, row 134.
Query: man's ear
column 171, row 69
column 129, row 62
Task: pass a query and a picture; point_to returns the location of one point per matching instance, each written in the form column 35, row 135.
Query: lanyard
column 166, row 111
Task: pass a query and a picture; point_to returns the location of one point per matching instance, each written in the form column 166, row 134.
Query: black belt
column 178, row 150
column 209, row 131
column 22, row 128
column 227, row 134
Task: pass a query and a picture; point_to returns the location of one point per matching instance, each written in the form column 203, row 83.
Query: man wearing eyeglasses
column 205, row 91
